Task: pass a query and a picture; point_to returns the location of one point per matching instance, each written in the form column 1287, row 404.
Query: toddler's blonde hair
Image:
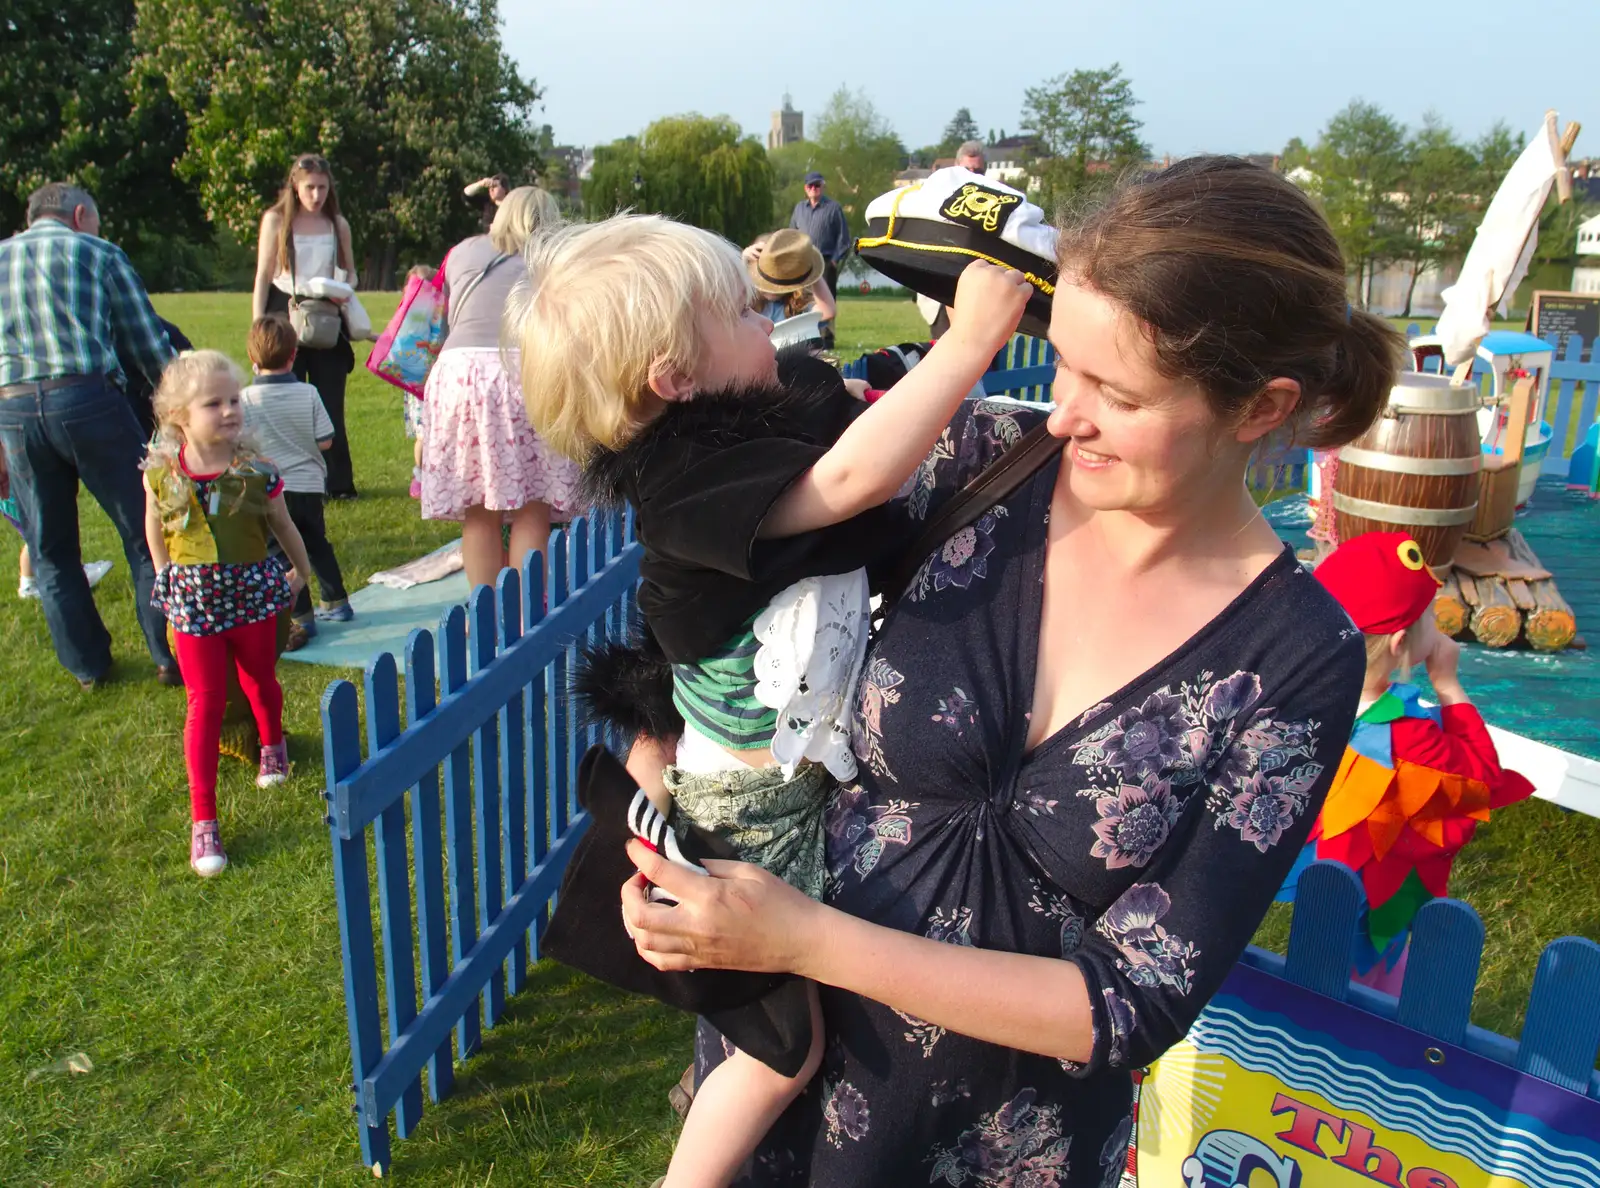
column 183, row 382
column 1378, row 650
column 604, row 303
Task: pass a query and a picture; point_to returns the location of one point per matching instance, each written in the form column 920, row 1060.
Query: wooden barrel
column 1416, row 469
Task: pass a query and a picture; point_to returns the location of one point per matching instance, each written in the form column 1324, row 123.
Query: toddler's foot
column 336, row 612
column 301, row 632
column 274, row 765
column 205, row 849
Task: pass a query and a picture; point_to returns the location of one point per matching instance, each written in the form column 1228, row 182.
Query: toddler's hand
column 296, row 582
column 1442, row 663
column 989, row 304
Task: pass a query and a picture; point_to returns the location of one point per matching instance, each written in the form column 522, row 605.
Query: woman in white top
column 482, row 463
column 303, row 236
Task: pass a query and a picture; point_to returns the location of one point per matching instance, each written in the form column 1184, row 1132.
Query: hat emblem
column 979, row 205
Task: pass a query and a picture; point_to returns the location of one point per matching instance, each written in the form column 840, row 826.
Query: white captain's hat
column 923, row 235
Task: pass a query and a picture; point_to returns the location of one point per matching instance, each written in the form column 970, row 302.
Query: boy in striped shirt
column 292, row 429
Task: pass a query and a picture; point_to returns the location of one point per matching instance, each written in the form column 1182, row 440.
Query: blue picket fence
column 480, row 856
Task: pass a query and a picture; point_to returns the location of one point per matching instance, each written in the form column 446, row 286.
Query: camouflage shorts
column 773, row 822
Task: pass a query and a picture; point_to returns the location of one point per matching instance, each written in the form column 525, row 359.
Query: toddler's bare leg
column 733, row 1110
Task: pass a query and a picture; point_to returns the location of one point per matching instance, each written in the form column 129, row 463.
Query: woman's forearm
column 1034, row 1004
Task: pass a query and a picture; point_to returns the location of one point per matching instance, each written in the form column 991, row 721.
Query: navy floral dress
column 1143, row 842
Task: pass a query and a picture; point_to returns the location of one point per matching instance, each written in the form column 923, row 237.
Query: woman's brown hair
column 288, row 202
column 1239, row 281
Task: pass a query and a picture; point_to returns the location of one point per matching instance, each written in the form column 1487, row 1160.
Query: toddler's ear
column 668, row 383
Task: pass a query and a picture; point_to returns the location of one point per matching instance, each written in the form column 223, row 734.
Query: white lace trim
column 813, row 639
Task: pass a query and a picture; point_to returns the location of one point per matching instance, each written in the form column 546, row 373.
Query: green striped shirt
column 718, row 695
column 68, row 303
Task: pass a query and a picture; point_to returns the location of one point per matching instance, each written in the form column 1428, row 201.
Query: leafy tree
column 1084, row 121
column 694, row 168
column 66, row 114
column 1434, row 201
column 961, row 128
column 857, row 151
column 407, row 98
column 1495, row 151
column 1358, row 164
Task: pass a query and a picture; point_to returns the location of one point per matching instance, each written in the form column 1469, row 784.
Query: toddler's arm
column 885, row 444
column 152, row 530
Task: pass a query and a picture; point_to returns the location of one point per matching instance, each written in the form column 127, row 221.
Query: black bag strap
column 996, row 481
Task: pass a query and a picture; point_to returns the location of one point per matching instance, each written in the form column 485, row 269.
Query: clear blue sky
column 1228, row 76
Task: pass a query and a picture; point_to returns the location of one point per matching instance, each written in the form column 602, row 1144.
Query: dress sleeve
column 1160, row 952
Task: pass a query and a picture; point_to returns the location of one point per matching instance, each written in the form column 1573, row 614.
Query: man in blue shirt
column 69, row 302
column 823, row 220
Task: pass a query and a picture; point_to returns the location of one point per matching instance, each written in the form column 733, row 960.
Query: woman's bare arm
column 822, row 299
column 266, row 263
column 347, row 254
column 746, row 918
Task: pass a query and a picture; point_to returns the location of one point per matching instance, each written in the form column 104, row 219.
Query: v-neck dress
column 1143, row 842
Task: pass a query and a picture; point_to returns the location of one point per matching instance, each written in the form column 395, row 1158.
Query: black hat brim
column 928, row 257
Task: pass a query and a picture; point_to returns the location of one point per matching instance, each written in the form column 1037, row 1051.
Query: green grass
column 213, row 1012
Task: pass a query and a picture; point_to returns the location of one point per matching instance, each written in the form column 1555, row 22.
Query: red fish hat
column 1381, row 580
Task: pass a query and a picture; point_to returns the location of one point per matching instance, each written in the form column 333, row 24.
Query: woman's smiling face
column 1137, row 440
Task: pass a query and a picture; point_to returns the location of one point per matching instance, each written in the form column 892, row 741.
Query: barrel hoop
column 1422, row 410
column 1402, row 464
column 1392, row 513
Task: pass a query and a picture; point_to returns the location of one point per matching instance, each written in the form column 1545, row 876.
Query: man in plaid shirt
column 68, row 302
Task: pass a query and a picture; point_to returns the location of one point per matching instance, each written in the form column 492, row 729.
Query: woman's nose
column 1068, row 418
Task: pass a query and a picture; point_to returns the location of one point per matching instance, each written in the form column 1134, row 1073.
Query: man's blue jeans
column 52, row 440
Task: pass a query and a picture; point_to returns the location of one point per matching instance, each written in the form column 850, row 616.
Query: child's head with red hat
column 1386, row 587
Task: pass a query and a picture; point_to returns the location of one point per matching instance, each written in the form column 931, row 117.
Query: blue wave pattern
column 1400, row 1099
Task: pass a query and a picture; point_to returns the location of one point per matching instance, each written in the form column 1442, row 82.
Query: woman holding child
column 480, row 461
column 1093, row 733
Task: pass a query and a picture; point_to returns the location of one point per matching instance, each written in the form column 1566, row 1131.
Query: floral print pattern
column 960, row 561
column 956, row 711
column 845, row 1113
column 1149, row 955
column 1134, row 822
column 1020, row 1145
column 211, row 599
column 880, row 687
column 857, row 832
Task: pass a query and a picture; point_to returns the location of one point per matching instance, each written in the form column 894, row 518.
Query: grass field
column 212, row 1012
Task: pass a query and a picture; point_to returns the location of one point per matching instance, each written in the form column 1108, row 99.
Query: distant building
column 911, row 176
column 1009, row 157
column 788, row 126
column 567, row 167
column 1589, row 237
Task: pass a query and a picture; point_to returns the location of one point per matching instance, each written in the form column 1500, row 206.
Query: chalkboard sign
column 1556, row 316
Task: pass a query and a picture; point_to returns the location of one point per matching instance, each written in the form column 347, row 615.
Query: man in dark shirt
column 823, row 220
column 69, row 302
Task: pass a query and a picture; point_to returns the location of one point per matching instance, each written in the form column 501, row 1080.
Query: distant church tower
column 788, row 126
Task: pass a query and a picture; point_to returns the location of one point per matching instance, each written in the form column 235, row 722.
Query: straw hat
column 788, row 262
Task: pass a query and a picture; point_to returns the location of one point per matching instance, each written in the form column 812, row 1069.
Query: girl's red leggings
column 203, row 660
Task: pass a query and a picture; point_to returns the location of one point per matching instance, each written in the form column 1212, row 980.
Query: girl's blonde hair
column 1378, row 650
column 604, row 303
column 182, row 383
column 522, row 214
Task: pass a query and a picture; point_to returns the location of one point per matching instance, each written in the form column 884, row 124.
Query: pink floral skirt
column 478, row 449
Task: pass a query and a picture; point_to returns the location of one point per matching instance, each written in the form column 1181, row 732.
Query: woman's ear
column 1271, row 408
column 668, row 383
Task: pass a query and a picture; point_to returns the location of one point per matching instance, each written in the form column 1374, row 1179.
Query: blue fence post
column 559, row 710
column 394, row 880
column 428, row 855
column 535, row 712
column 458, row 824
column 486, row 792
column 513, row 772
column 1327, row 906
column 341, row 755
column 1561, row 1036
column 1442, row 970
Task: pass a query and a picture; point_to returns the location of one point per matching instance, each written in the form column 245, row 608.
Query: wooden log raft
column 1449, row 608
column 1550, row 623
column 1499, row 610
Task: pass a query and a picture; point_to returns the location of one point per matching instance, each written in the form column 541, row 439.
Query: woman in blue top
column 1094, row 732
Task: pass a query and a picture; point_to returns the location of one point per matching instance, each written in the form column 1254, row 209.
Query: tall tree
column 961, row 128
column 1357, row 166
column 1434, row 201
column 407, row 98
column 1084, row 121
column 66, row 114
column 857, row 151
column 694, row 168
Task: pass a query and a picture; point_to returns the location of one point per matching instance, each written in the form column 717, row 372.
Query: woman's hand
column 741, row 917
